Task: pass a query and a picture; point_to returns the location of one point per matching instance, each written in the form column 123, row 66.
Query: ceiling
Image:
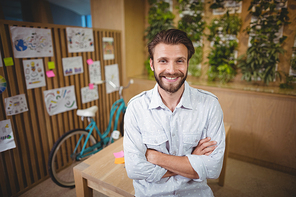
column 81, row 7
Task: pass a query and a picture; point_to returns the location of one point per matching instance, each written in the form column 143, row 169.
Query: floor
column 242, row 180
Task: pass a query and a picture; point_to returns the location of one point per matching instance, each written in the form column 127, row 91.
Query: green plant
column 223, row 34
column 293, row 61
column 195, row 60
column 263, row 55
column 159, row 18
column 289, row 82
column 193, row 24
column 222, row 60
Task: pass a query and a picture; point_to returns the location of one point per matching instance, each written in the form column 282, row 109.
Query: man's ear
column 151, row 65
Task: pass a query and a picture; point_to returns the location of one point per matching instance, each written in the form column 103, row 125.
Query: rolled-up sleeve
column 137, row 166
column 209, row 167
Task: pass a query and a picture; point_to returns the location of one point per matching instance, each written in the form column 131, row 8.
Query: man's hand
column 204, row 147
column 152, row 156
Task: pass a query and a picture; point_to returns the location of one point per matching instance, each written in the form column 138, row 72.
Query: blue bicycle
column 77, row 145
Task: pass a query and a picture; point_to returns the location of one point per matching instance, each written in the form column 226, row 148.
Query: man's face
column 170, row 66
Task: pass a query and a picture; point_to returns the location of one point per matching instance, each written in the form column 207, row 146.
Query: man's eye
column 180, row 61
column 162, row 61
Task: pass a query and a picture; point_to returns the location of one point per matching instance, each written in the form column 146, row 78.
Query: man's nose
column 171, row 68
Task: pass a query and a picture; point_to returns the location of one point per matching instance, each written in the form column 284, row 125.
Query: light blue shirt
column 148, row 123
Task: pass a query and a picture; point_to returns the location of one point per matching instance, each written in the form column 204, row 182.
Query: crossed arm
column 180, row 165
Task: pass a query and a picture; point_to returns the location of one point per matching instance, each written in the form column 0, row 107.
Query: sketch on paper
column 6, row 136
column 80, row 39
column 95, row 72
column 112, row 75
column 72, row 65
column 88, row 94
column 60, row 100
column 16, row 104
column 31, row 42
column 231, row 6
column 108, row 48
column 34, row 73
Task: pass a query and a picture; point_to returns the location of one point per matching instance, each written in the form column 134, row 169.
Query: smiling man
column 174, row 134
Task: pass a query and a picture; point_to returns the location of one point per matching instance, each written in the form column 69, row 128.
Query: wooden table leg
column 82, row 190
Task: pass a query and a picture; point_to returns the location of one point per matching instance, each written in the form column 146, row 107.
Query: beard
column 170, row 88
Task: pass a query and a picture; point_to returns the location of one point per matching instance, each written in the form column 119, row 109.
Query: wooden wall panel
column 35, row 131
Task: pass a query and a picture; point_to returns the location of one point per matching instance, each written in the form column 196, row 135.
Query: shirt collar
column 156, row 100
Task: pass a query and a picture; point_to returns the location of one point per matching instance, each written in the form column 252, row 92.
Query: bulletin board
column 35, row 130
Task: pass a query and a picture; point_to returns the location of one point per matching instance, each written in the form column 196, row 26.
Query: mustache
column 166, row 74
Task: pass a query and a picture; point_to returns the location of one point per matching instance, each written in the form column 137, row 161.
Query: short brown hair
column 173, row 37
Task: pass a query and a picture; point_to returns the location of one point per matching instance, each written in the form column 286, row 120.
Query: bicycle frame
column 118, row 107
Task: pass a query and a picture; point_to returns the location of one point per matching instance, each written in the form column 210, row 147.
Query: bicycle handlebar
column 120, row 88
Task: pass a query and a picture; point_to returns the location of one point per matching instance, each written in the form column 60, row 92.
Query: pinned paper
column 51, row 65
column 50, row 73
column 8, row 61
column 16, row 104
column 91, row 86
column 118, row 154
column 34, row 73
column 88, row 95
column 119, row 160
column 89, row 61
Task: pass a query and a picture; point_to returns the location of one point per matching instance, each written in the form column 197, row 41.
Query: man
column 168, row 130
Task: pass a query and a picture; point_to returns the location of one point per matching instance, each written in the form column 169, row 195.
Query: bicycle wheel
column 62, row 158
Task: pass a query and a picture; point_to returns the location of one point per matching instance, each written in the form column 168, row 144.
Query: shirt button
column 173, row 135
column 196, row 140
column 174, row 153
column 155, row 141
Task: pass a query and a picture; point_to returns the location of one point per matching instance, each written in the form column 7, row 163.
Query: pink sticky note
column 89, row 61
column 50, row 73
column 91, row 86
column 118, row 154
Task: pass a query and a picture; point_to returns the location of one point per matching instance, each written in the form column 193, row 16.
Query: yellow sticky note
column 8, row 61
column 51, row 65
column 119, row 160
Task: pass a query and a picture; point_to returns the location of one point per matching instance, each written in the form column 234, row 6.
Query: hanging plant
column 159, row 18
column 193, row 24
column 293, row 60
column 289, row 82
column 259, row 63
column 220, row 3
column 222, row 35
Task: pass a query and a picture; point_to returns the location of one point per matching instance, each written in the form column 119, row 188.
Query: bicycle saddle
column 89, row 112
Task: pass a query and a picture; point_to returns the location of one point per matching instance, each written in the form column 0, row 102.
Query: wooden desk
column 99, row 172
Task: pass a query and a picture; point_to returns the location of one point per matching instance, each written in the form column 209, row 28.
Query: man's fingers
column 209, row 150
column 204, row 140
column 207, row 144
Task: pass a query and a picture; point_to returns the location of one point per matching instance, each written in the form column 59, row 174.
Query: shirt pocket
column 156, row 141
column 190, row 141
